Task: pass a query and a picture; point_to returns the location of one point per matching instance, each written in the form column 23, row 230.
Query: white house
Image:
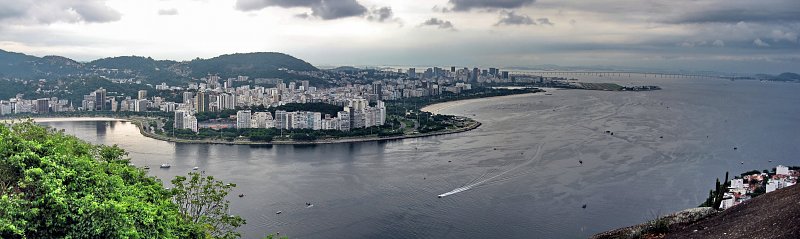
column 782, row 170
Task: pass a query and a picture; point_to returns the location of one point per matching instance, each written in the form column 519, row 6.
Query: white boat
column 195, row 168
column 278, row 212
column 166, row 165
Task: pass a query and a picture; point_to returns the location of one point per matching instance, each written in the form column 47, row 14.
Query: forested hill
column 260, row 64
column 18, row 65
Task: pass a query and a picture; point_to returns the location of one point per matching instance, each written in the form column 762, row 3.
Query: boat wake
column 483, row 181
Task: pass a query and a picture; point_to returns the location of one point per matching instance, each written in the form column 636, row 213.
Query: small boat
column 195, row 168
column 278, row 212
column 241, row 195
column 146, row 167
column 166, row 165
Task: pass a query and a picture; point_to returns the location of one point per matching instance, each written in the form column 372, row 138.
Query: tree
column 202, row 199
column 57, row 186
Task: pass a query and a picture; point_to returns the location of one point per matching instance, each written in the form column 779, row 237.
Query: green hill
column 258, row 64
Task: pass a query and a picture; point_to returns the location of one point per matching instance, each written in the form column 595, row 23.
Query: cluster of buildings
column 18, row 105
column 740, row 189
column 358, row 114
column 475, row 75
column 212, row 93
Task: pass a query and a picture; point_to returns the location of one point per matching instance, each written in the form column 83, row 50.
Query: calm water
column 522, row 163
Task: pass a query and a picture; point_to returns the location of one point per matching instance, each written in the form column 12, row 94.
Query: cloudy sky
column 720, row 35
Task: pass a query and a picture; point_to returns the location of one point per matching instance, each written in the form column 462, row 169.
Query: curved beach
column 439, row 107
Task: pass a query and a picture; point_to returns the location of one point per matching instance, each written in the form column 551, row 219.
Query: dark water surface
column 522, row 164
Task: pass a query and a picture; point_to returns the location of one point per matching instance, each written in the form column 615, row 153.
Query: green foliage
column 57, row 186
column 202, row 199
column 258, row 64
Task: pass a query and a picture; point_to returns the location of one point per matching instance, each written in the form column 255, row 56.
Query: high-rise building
column 475, row 73
column 453, row 69
column 114, row 105
column 281, row 119
column 262, row 120
column 187, row 97
column 140, row 105
column 305, row 85
column 43, row 106
column 377, row 89
column 191, row 123
column 6, row 108
column 226, row 101
column 412, row 73
column 201, row 102
column 142, row 95
column 100, row 99
column 505, row 74
column 344, row 120
column 243, row 118
column 178, row 121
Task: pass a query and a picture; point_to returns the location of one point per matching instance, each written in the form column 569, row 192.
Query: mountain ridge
column 14, row 65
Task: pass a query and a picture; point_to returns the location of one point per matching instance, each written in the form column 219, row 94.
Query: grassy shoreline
column 473, row 125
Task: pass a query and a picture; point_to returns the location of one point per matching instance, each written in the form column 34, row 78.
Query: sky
column 747, row 36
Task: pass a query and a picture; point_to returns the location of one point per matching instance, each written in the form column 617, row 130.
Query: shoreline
column 432, row 108
column 438, row 107
column 138, row 121
column 472, row 126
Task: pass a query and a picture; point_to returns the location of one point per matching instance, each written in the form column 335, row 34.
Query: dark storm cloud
column 511, row 18
column 168, row 12
column 441, row 24
column 735, row 15
column 381, row 14
column 45, row 12
column 544, row 21
column 466, row 5
column 324, row 9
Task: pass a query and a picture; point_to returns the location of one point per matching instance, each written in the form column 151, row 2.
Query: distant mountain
column 786, row 76
column 348, row 69
column 149, row 70
column 136, row 63
column 18, row 65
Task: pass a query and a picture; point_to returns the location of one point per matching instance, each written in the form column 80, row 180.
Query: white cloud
column 758, row 42
column 778, row 35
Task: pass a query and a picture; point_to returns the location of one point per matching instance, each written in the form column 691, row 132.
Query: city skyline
column 732, row 36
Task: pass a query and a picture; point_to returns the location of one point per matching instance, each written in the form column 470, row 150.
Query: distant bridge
column 619, row 74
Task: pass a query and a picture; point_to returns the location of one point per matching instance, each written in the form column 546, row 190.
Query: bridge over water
column 619, row 74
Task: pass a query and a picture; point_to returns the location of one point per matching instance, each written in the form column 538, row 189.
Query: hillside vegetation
column 258, row 64
column 56, row 186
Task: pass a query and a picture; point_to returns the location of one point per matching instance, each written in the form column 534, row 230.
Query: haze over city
column 715, row 35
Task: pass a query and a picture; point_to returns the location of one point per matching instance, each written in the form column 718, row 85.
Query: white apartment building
column 243, row 118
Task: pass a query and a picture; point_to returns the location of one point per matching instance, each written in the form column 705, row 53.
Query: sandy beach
column 438, row 107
